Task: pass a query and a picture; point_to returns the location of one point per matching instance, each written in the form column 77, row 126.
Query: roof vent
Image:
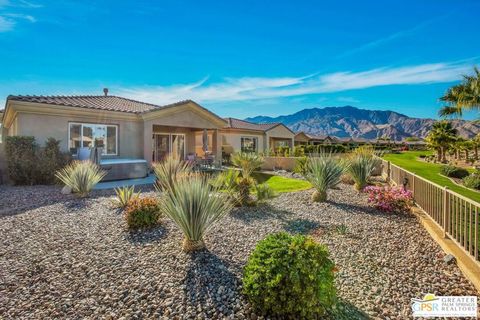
column 105, row 91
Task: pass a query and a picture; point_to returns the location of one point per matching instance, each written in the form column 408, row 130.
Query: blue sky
column 242, row 58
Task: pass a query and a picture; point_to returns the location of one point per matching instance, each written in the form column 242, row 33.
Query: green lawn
column 430, row 171
column 282, row 184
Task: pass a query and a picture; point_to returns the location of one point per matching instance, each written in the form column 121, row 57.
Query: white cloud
column 6, row 24
column 20, row 16
column 251, row 88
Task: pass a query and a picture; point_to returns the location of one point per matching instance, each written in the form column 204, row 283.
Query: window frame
column 106, row 135
column 255, row 139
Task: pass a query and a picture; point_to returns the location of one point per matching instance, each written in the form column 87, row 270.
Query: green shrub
column 453, row 172
column 50, row 160
column 323, row 172
column 30, row 164
column 301, row 166
column 228, row 181
column 264, row 192
column 21, row 159
column 81, row 176
column 247, row 162
column 124, row 196
column 290, row 276
column 472, row 181
column 143, row 213
column 298, row 151
column 194, row 206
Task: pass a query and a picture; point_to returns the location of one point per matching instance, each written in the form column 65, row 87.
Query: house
column 130, row 129
column 302, row 138
column 249, row 136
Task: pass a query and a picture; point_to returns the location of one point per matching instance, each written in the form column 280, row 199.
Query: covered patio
column 185, row 132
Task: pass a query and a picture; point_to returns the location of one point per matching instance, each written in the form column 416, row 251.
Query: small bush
column 142, row 213
column 389, row 199
column 81, row 176
column 472, row 181
column 264, row 192
column 124, row 196
column 301, row 166
column 290, row 276
column 453, row 172
column 20, row 154
column 29, row 164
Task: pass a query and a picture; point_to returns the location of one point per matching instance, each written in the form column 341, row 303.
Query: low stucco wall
column 3, row 164
column 284, row 163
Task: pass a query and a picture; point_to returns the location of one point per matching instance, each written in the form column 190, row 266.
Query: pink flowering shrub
column 389, row 199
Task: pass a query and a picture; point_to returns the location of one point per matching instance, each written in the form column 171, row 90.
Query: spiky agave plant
column 195, row 207
column 360, row 168
column 169, row 171
column 81, row 176
column 323, row 172
column 247, row 162
column 124, row 196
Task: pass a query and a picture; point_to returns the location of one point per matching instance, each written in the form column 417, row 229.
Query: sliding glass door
column 165, row 144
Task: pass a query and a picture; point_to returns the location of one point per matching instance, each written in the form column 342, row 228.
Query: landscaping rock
column 449, row 259
column 64, row 257
column 66, row 190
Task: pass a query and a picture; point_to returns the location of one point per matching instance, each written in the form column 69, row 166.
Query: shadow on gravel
column 20, row 199
column 147, row 236
column 208, row 281
column 367, row 210
column 301, row 226
column 346, row 311
column 263, row 211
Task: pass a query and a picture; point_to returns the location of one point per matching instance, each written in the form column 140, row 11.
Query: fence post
column 388, row 171
column 445, row 211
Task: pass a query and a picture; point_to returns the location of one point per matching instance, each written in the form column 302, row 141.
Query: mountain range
column 350, row 121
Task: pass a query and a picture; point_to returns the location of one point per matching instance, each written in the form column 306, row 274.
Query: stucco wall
column 130, row 133
column 285, row 163
column 231, row 141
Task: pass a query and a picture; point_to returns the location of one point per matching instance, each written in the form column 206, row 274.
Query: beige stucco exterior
column 279, row 133
column 136, row 131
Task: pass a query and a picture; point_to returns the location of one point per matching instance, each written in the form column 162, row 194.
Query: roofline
column 281, row 124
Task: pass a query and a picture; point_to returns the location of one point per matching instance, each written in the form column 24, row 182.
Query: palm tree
column 462, row 97
column 440, row 137
column 476, row 144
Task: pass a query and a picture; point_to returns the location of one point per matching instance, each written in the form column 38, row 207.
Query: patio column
column 148, row 142
column 217, row 144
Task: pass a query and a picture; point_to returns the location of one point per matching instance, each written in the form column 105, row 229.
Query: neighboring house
column 248, row 136
column 302, row 138
column 127, row 128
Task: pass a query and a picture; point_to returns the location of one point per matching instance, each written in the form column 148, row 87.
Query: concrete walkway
column 125, row 183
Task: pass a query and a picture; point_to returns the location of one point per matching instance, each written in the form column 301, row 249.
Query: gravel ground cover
column 73, row 258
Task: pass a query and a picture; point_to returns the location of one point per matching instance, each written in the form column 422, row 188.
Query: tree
column 440, row 138
column 462, row 97
column 476, row 144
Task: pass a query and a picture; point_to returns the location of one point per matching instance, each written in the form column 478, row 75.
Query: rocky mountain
column 349, row 121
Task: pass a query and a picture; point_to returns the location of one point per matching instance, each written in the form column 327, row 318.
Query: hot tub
column 121, row 169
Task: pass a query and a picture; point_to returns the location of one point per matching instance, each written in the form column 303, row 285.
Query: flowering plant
column 389, row 199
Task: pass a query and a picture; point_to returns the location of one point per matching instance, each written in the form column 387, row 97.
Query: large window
column 249, row 144
column 93, row 135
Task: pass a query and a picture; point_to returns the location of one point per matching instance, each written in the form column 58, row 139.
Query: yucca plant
column 169, row 171
column 81, row 176
column 227, row 181
column 195, row 207
column 323, row 172
column 360, row 168
column 264, row 192
column 124, row 196
column 247, row 162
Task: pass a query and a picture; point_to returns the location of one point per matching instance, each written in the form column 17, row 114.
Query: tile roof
column 110, row 103
column 242, row 124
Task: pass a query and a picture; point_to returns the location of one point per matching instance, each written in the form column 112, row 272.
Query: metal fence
column 455, row 214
